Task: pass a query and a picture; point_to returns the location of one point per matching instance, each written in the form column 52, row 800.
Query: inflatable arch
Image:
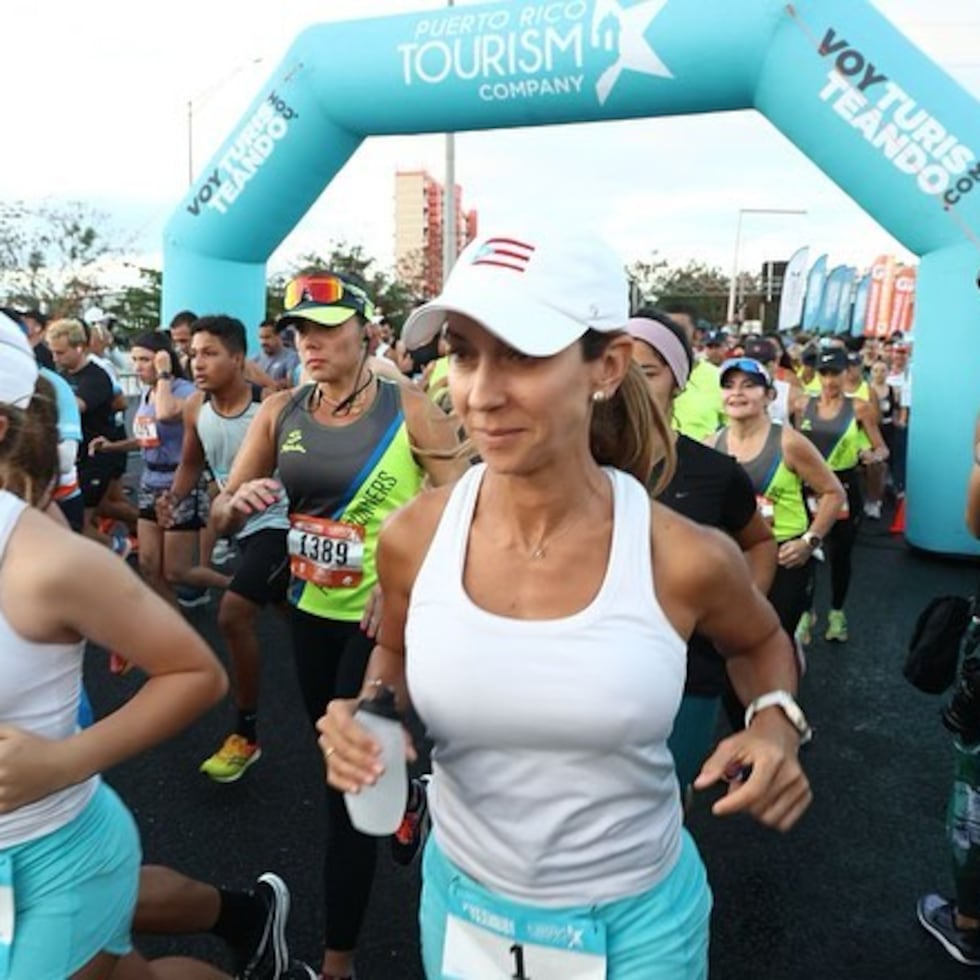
column 834, row 76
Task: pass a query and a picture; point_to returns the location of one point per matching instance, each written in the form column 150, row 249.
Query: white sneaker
column 222, row 552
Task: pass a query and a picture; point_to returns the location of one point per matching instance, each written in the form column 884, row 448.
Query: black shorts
column 263, row 571
column 94, row 475
column 190, row 514
column 74, row 510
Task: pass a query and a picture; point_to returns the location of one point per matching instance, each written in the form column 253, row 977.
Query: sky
column 98, row 94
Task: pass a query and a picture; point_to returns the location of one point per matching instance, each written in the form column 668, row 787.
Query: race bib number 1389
column 325, row 552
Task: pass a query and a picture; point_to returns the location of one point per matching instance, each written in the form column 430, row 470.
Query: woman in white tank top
column 538, row 613
column 69, row 849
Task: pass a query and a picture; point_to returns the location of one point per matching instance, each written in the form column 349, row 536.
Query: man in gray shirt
column 277, row 360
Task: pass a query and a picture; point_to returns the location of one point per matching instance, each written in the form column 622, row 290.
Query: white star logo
column 613, row 26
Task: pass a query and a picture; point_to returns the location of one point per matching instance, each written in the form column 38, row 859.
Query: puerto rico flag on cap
column 507, row 253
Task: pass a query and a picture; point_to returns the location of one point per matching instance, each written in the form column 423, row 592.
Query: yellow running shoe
column 836, row 626
column 804, row 629
column 232, row 759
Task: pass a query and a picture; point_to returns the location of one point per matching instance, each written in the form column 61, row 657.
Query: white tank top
column 40, row 685
column 779, row 406
column 552, row 781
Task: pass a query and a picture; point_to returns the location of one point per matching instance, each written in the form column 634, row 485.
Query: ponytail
column 29, row 450
column 629, row 432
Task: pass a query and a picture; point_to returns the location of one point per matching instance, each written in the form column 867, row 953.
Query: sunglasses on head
column 323, row 289
column 747, row 366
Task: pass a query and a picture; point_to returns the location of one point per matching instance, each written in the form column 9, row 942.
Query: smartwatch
column 813, row 541
column 165, row 375
column 787, row 703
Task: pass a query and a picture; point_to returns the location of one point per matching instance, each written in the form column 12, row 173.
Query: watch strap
column 787, row 703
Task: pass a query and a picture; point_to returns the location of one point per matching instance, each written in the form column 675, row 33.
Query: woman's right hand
column 351, row 755
column 97, row 445
column 255, row 496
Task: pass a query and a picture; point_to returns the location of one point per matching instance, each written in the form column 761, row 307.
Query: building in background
column 419, row 229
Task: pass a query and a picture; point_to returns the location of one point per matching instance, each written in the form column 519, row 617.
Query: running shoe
column 265, row 955
column 872, row 509
column 836, row 626
column 938, row 917
column 229, row 763
column 222, row 552
column 190, row 598
column 804, row 628
column 407, row 839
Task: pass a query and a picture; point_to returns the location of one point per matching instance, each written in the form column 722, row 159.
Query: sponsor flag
column 903, row 305
column 814, row 293
column 860, row 305
column 830, row 302
column 877, row 315
column 842, row 324
column 794, row 290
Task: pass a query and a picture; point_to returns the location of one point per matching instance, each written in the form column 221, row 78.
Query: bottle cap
column 382, row 704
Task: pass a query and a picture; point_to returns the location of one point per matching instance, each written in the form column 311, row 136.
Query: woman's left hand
column 763, row 773
column 30, row 767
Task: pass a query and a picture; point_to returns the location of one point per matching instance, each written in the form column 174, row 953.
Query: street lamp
column 199, row 98
column 449, row 230
column 733, row 287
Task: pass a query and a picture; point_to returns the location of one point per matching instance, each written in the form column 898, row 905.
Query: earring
column 598, row 396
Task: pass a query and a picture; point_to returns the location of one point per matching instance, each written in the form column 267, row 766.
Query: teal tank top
column 221, row 437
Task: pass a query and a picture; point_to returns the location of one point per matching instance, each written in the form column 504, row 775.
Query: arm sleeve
column 739, row 503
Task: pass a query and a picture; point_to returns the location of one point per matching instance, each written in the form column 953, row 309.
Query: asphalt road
column 833, row 900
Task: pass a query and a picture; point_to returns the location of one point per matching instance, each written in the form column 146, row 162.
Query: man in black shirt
column 93, row 392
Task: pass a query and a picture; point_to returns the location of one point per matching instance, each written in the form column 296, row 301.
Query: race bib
column 812, row 503
column 483, row 943
column 145, row 431
column 766, row 508
column 325, row 552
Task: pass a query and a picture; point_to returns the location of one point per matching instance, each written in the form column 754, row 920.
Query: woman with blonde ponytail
column 537, row 614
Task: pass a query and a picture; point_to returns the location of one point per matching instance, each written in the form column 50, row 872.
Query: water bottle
column 378, row 809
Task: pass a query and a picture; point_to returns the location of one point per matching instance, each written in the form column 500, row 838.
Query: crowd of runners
column 510, row 516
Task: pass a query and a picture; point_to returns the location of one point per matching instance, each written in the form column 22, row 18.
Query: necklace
column 541, row 549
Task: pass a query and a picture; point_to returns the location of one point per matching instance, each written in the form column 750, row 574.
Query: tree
column 703, row 286
column 393, row 296
column 137, row 308
column 50, row 254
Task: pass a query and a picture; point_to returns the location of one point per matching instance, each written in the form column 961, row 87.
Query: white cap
column 93, row 315
column 537, row 292
column 18, row 366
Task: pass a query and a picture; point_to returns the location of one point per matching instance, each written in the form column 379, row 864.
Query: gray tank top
column 763, row 468
column 222, row 436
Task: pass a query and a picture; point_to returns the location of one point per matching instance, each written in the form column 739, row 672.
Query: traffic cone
column 898, row 524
